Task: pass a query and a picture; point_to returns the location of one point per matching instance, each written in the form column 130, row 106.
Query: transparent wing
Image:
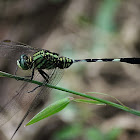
column 10, row 52
column 12, row 106
column 19, row 100
column 22, row 98
column 11, row 49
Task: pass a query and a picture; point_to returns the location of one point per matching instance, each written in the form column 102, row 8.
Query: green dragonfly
column 49, row 65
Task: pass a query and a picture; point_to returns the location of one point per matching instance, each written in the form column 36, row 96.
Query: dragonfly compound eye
column 24, row 62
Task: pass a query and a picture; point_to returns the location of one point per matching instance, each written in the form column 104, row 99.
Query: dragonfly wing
column 12, row 106
column 54, row 78
column 58, row 74
column 11, row 49
column 19, row 101
column 22, row 98
column 10, row 52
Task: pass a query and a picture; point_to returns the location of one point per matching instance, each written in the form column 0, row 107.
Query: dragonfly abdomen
column 64, row 62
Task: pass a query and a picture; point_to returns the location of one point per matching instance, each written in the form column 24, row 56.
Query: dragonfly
column 50, row 66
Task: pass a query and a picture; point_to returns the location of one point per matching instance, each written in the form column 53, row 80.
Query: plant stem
column 132, row 111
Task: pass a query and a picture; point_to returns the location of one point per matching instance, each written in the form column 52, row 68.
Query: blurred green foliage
column 77, row 131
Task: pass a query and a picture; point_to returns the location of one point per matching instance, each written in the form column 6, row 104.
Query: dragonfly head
column 24, row 62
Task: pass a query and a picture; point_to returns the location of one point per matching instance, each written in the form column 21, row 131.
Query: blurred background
column 77, row 29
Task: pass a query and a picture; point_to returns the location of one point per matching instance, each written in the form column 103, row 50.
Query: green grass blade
column 108, row 96
column 89, row 101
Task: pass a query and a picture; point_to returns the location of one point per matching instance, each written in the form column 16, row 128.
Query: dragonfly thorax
column 45, row 59
column 25, row 62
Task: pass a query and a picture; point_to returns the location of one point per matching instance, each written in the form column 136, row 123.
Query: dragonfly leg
column 45, row 76
column 33, row 71
column 34, row 89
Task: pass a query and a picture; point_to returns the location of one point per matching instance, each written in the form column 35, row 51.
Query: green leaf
column 50, row 110
column 89, row 101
